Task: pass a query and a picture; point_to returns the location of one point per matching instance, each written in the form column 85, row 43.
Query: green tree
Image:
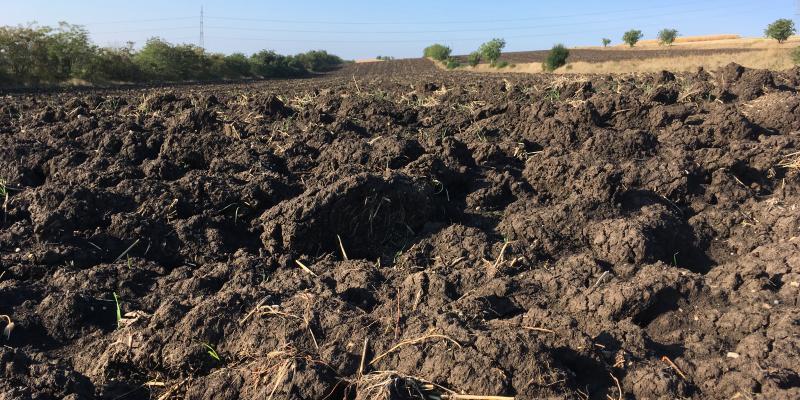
column 492, row 50
column 632, row 37
column 33, row 54
column 161, row 61
column 474, row 58
column 69, row 51
column 556, row 58
column 437, row 52
column 606, row 42
column 667, row 36
column 318, row 60
column 780, row 30
column 114, row 64
column 25, row 53
column 269, row 64
column 237, row 66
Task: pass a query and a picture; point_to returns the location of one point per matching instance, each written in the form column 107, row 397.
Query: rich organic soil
column 513, row 235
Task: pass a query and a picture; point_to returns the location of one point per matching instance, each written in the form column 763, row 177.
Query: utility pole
column 201, row 44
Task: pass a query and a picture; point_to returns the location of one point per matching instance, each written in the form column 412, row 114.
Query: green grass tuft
column 119, row 310
column 211, row 352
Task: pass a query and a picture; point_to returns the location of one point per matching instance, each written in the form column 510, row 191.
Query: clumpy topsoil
column 411, row 234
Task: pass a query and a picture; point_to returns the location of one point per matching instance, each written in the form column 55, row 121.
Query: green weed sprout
column 211, row 352
column 119, row 310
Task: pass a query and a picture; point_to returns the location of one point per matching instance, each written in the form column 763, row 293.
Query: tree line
column 489, row 51
column 780, row 30
column 43, row 55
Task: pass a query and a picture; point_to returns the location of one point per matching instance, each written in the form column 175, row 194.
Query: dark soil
column 512, row 235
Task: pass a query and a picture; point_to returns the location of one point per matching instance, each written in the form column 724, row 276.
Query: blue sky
column 363, row 29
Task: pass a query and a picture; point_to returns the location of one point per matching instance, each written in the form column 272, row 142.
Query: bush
column 556, row 58
column 606, row 42
column 318, row 60
column 780, row 30
column 796, row 55
column 667, row 36
column 632, row 37
column 437, row 52
column 69, row 51
column 269, row 64
column 34, row 54
column 491, row 50
column 501, row 64
column 115, row 64
column 161, row 61
column 236, row 65
column 452, row 63
column 474, row 58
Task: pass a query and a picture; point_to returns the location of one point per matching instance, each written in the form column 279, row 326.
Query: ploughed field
column 406, row 234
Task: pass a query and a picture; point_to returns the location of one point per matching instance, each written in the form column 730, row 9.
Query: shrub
column 796, row 55
column 474, row 58
column 667, row 36
column 780, row 30
column 501, row 64
column 606, row 42
column 115, row 64
column 452, row 63
column 236, row 65
column 437, row 52
column 318, row 60
column 69, row 51
column 491, row 50
column 269, row 64
column 556, row 58
column 25, row 52
column 161, row 61
column 632, row 37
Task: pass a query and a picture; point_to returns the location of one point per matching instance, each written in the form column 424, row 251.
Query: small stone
column 733, row 355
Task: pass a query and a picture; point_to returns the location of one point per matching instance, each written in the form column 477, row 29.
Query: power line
column 132, row 21
column 501, row 29
column 178, row 28
column 428, row 40
column 672, row 5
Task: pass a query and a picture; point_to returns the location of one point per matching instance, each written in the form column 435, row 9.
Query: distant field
column 686, row 54
column 612, row 54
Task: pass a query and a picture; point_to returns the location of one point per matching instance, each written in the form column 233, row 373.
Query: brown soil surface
column 513, row 235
